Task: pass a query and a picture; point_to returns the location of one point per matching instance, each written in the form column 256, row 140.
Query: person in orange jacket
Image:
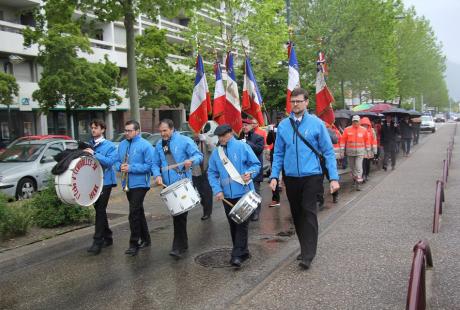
column 372, row 140
column 354, row 143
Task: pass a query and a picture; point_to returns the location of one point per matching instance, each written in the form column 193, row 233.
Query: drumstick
column 172, row 166
column 228, row 202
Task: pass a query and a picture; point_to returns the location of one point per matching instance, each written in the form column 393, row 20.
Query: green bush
column 15, row 219
column 49, row 211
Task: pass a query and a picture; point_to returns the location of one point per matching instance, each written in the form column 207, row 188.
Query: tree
column 159, row 83
column 128, row 10
column 68, row 79
column 8, row 88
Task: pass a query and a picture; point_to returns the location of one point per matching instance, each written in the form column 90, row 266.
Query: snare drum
column 180, row 197
column 82, row 183
column 245, row 207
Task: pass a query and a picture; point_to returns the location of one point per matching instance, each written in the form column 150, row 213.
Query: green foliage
column 49, row 211
column 8, row 88
column 15, row 218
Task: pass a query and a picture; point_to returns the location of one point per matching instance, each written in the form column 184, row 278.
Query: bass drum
column 82, row 183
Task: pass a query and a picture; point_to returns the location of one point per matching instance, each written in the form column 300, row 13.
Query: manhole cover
column 218, row 258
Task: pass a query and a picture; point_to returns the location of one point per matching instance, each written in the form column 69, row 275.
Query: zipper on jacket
column 294, row 136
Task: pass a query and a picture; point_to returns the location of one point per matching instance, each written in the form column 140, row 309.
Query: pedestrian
column 200, row 177
column 405, row 128
column 416, row 122
column 106, row 153
column 372, row 141
column 300, row 139
column 256, row 142
column 271, row 138
column 134, row 161
column 232, row 184
column 175, row 149
column 388, row 136
column 355, row 145
column 334, row 134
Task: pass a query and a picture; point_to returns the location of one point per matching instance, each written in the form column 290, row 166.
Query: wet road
column 66, row 277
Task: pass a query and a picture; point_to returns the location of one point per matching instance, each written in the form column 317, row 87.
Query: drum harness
column 231, row 170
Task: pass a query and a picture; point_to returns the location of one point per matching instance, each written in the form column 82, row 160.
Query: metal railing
column 416, row 293
column 438, row 201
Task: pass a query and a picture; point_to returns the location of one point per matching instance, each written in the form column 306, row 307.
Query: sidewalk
column 364, row 258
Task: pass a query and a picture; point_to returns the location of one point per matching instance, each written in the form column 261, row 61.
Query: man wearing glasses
column 135, row 156
column 303, row 172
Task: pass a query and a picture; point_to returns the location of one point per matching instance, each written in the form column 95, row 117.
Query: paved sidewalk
column 364, row 258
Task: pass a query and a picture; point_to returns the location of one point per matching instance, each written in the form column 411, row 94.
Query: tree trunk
column 131, row 61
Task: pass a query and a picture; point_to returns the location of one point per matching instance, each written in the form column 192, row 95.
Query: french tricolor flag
column 252, row 100
column 294, row 77
column 324, row 98
column 218, row 111
column 232, row 107
column 201, row 100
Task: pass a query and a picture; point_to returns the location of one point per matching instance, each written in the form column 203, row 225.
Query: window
column 52, row 151
column 5, row 131
column 71, row 145
column 23, row 71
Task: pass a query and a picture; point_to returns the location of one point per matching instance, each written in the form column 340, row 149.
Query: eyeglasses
column 130, row 130
column 297, row 101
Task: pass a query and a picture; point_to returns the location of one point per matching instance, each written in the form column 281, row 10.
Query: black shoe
column 107, row 242
column 255, row 217
column 245, row 257
column 95, row 249
column 132, row 251
column 335, row 199
column 235, row 262
column 144, row 244
column 205, row 217
column 305, row 264
column 299, row 257
column 177, row 253
column 384, row 168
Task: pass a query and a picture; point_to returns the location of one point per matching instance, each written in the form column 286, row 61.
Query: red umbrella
column 380, row 107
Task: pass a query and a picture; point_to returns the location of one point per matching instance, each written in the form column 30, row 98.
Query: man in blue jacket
column 223, row 186
column 134, row 160
column 303, row 173
column 174, row 149
column 106, row 153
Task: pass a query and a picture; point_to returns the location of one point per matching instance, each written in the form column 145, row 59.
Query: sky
column 445, row 20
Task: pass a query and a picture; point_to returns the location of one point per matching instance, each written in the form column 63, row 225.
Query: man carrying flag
column 201, row 100
column 252, row 100
column 294, row 77
column 232, row 107
column 218, row 111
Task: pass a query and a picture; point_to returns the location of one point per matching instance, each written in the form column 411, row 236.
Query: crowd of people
column 301, row 148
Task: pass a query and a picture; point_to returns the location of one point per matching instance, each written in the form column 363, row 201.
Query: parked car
column 440, row 118
column 427, row 124
column 121, row 136
column 25, row 166
column 154, row 138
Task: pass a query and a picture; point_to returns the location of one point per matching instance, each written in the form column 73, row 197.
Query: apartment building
column 108, row 39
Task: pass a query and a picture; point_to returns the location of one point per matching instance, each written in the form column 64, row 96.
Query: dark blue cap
column 222, row 129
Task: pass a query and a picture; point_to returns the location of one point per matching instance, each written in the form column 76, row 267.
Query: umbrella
column 366, row 114
column 413, row 113
column 343, row 114
column 396, row 111
column 380, row 107
column 363, row 106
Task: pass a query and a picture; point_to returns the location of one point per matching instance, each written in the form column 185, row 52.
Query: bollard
column 416, row 294
column 438, row 200
column 445, row 170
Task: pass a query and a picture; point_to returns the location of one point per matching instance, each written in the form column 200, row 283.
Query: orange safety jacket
column 354, row 141
column 371, row 136
column 337, row 145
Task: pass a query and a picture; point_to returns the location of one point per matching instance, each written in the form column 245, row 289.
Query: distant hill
column 453, row 79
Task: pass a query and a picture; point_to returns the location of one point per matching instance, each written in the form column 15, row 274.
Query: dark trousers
column 101, row 229
column 302, row 193
column 276, row 194
column 416, row 134
column 257, row 190
column 180, row 241
column 320, row 197
column 406, row 145
column 390, row 151
column 204, row 189
column 239, row 232
column 366, row 167
column 137, row 221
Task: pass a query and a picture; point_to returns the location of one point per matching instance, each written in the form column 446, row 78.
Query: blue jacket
column 106, row 153
column 140, row 159
column 182, row 148
column 296, row 158
column 244, row 160
column 256, row 142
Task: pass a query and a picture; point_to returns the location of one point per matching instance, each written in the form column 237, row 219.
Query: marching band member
column 173, row 149
column 135, row 156
column 233, row 183
column 106, row 153
column 200, row 177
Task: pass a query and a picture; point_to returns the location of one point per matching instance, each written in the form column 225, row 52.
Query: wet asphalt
column 60, row 274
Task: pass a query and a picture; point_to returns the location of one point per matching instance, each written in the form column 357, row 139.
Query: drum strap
column 230, row 168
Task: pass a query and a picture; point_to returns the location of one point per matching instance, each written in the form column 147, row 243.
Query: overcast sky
column 444, row 17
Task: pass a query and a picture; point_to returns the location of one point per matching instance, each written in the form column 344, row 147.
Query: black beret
column 222, row 129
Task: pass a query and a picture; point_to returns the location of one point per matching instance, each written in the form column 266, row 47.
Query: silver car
column 25, row 167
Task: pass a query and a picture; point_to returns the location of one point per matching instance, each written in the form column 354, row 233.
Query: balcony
column 20, row 4
column 12, row 39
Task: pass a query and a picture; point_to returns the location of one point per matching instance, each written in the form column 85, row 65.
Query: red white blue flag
column 218, row 109
column 294, row 76
column 201, row 100
column 252, row 100
column 232, row 107
column 324, row 97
